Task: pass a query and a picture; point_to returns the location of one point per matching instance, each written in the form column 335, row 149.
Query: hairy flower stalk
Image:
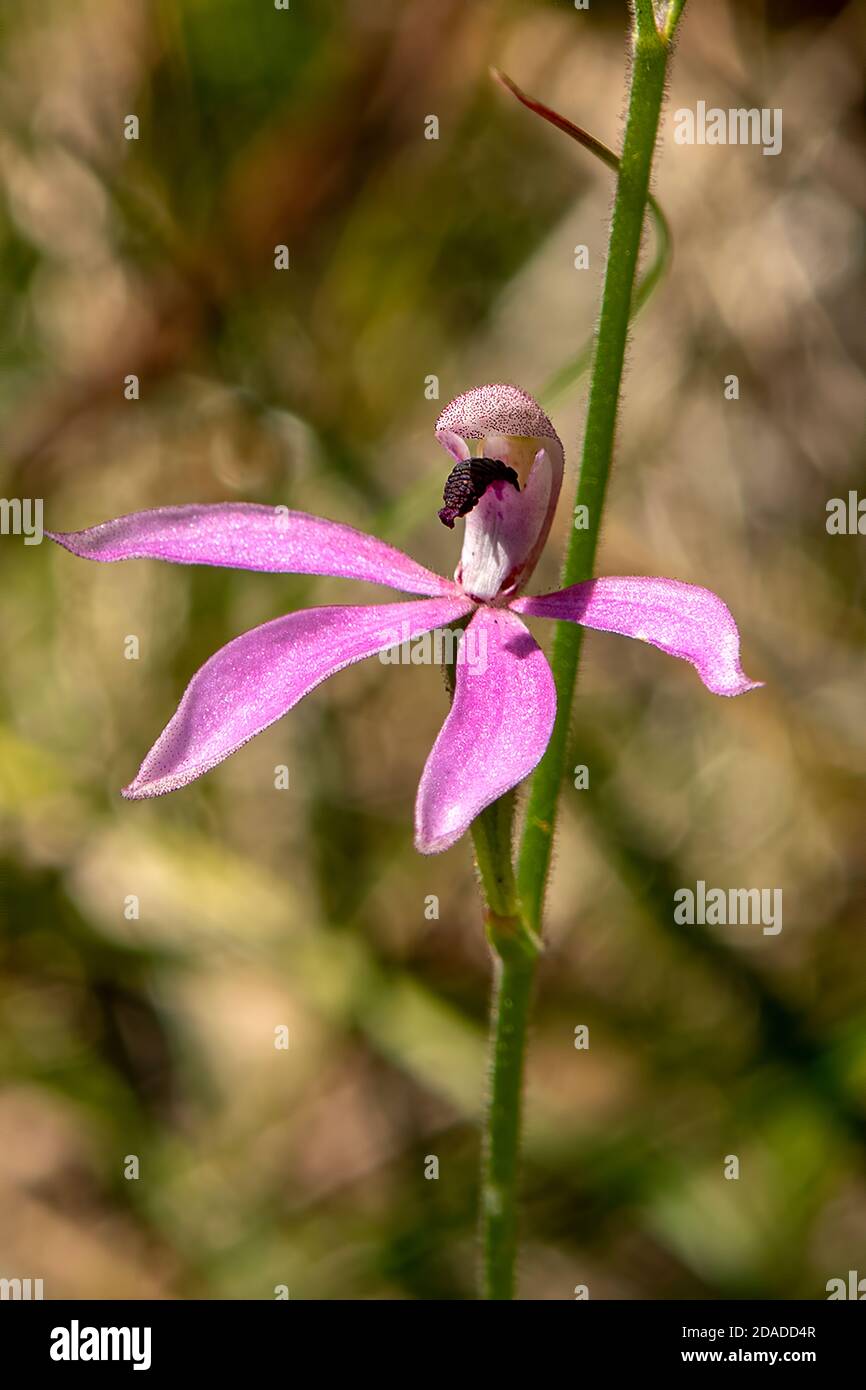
column 651, row 40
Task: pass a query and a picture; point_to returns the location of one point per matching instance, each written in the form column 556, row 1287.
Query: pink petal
column 258, row 677
column 244, row 535
column 683, row 619
column 496, row 731
column 456, row 447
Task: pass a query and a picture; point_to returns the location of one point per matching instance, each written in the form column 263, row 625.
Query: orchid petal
column 258, row 677
column 682, row 619
column 496, row 731
column 244, row 535
column 454, row 445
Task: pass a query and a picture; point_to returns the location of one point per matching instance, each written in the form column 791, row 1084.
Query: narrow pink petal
column 682, row 619
column 455, row 446
column 258, row 677
column 244, row 535
column 497, row 728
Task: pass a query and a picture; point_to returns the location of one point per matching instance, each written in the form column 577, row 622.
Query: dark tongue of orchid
column 467, row 483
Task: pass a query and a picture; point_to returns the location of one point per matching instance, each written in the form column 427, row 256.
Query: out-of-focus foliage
column 154, row 1035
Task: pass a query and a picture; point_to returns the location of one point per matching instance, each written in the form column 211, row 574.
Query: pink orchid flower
column 508, row 465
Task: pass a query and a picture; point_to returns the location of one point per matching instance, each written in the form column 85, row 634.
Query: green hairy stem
column 651, row 51
column 514, row 902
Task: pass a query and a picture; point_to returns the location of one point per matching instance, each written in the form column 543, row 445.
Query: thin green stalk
column 514, row 977
column 567, row 375
column 649, row 68
column 672, row 19
column 514, row 904
column 515, row 953
column 515, row 950
column 492, row 834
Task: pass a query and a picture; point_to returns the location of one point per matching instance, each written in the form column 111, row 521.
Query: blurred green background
column 306, row 907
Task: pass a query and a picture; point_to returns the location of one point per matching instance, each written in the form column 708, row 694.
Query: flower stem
column 651, row 50
column 515, row 953
column 567, row 375
column 514, row 903
column 515, row 956
column 515, row 950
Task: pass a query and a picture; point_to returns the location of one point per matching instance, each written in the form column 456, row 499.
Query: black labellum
column 467, row 483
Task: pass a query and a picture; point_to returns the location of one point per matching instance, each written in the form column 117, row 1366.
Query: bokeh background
column 305, row 907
